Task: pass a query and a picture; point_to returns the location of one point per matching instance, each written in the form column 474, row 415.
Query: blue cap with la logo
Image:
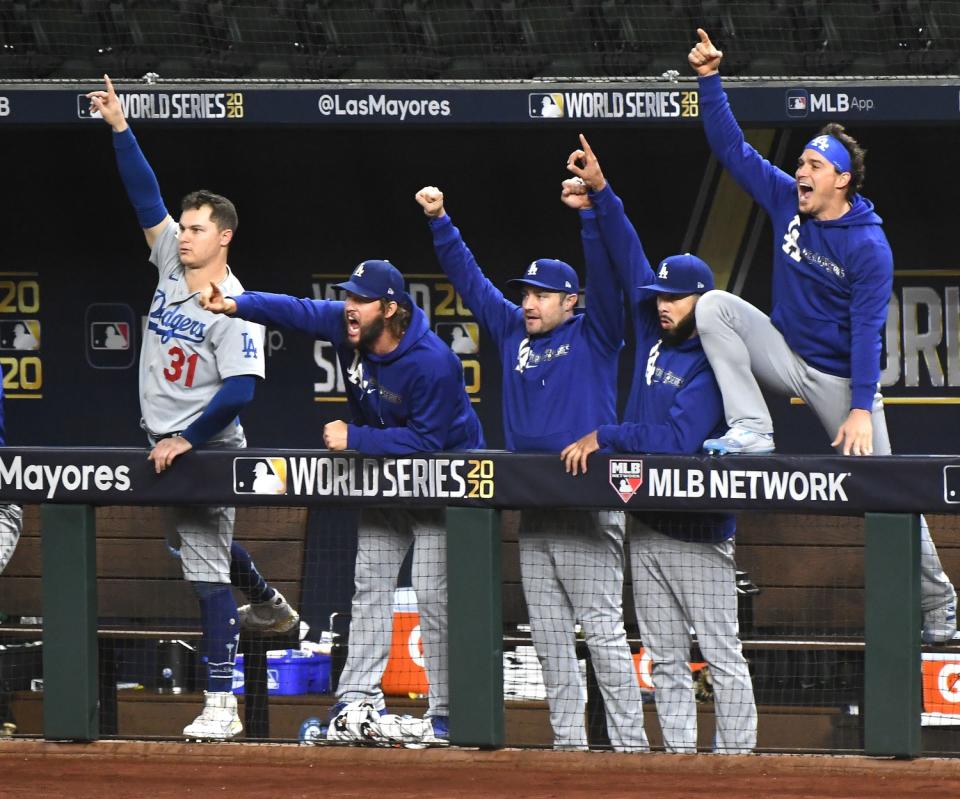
column 681, row 274
column 549, row 273
column 375, row 280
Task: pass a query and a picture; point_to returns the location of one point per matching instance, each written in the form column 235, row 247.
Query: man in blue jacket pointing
column 682, row 563
column 832, row 280
column 406, row 394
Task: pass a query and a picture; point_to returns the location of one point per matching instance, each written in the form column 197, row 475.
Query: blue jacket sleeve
column 223, row 408
column 620, row 237
column 494, row 312
column 604, row 306
column 432, row 414
column 629, row 259
column 319, row 318
column 758, row 177
column 871, row 286
column 139, row 180
column 691, row 420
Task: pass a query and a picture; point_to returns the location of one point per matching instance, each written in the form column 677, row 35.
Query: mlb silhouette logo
column 20, row 334
column 260, row 476
column 109, row 331
column 110, row 335
column 544, row 105
column 462, row 337
column 626, row 477
column 798, row 103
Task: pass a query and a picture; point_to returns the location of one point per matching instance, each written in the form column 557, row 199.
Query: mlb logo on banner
column 626, row 477
column 20, row 334
column 543, row 105
column 798, row 103
column 109, row 333
column 260, row 476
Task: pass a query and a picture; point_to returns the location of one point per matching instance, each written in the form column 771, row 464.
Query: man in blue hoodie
column 832, row 280
column 559, row 381
column 682, row 563
column 406, row 394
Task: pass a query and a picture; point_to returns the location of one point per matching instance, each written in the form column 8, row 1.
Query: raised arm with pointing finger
column 832, row 281
column 197, row 372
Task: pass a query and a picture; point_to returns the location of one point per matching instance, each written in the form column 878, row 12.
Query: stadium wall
column 314, row 201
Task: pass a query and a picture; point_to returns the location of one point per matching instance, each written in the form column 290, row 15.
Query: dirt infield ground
column 135, row 770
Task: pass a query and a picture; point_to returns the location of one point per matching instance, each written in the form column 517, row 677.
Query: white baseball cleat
column 218, row 721
column 737, row 441
column 273, row 616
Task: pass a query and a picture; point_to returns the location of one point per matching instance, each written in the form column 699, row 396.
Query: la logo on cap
column 358, row 272
column 532, row 269
column 664, row 272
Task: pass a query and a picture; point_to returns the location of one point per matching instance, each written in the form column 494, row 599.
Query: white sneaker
column 273, row 616
column 219, row 720
column 737, row 441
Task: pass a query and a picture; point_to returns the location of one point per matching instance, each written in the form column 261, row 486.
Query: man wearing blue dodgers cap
column 832, row 281
column 682, row 563
column 406, row 394
column 559, row 373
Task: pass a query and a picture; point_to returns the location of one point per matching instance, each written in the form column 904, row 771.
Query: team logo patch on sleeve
column 626, row 477
column 259, row 476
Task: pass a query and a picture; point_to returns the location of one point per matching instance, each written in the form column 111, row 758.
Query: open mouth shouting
column 352, row 322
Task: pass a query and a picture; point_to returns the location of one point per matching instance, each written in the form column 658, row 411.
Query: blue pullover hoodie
column 831, row 280
column 675, row 402
column 558, row 386
column 410, row 400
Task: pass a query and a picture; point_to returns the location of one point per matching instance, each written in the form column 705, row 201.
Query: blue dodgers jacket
column 410, row 400
column 558, row 386
column 675, row 402
column 831, row 280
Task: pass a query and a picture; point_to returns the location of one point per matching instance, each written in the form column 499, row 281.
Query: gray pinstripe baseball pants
column 383, row 538
column 571, row 563
column 746, row 352
column 678, row 585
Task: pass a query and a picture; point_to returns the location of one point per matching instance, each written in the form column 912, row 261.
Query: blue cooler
column 290, row 672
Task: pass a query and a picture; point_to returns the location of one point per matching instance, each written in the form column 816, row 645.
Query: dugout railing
column 889, row 492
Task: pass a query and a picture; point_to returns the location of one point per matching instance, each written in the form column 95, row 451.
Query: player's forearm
column 319, row 318
column 235, row 393
column 604, row 305
column 138, row 179
column 623, row 243
column 390, row 440
column 483, row 299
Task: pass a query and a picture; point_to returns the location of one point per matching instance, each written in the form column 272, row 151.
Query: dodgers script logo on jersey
column 626, row 477
column 172, row 322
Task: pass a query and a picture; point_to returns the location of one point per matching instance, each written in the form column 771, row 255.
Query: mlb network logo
column 798, row 103
column 543, row 105
column 626, row 477
column 260, row 476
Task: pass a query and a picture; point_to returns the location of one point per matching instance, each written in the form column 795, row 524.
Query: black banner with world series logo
column 484, row 479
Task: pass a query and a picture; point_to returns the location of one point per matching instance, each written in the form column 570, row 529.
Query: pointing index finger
column 586, row 146
column 704, row 39
column 109, row 83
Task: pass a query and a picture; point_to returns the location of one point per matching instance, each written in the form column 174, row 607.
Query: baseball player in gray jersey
column 197, row 371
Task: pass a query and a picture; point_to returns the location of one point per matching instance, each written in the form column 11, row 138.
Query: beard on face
column 683, row 330
column 369, row 332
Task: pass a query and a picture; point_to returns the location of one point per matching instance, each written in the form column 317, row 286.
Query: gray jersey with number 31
column 188, row 352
